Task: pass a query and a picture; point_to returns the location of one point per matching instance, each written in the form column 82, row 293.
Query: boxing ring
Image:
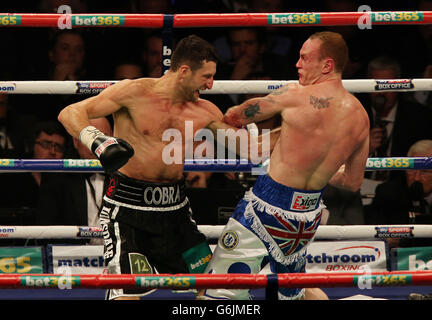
column 268, row 282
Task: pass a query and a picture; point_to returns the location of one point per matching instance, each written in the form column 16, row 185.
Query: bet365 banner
column 419, row 258
column 21, row 260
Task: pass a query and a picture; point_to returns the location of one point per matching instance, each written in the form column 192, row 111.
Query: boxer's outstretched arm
column 262, row 108
column 231, row 134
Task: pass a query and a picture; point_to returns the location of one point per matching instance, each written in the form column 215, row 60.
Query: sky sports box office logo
column 398, row 84
column 91, row 87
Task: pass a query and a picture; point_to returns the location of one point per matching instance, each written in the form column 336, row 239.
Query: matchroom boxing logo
column 237, row 142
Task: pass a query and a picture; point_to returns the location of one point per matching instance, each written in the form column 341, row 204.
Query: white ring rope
column 191, row 165
column 333, row 232
column 219, row 86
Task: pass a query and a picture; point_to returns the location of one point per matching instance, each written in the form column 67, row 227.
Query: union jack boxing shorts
column 148, row 228
column 272, row 226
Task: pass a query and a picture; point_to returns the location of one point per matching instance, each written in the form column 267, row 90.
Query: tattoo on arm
column 251, row 110
column 319, row 103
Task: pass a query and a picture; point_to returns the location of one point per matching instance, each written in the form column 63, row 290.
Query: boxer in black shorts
column 148, row 229
column 146, row 217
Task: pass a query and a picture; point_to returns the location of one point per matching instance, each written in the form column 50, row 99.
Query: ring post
column 167, row 43
column 271, row 291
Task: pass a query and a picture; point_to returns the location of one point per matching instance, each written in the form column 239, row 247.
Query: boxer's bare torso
column 143, row 110
column 324, row 127
column 327, row 128
column 143, row 124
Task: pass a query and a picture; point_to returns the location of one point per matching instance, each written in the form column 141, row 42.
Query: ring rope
column 327, row 232
column 210, row 281
column 219, row 86
column 196, row 165
column 93, row 165
column 215, row 20
column 201, row 281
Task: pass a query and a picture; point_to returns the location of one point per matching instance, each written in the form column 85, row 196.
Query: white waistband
column 141, row 208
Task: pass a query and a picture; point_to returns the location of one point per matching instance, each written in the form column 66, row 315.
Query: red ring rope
column 233, row 281
column 218, row 20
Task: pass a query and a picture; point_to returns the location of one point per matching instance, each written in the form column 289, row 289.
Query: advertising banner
column 419, row 258
column 75, row 259
column 347, row 256
column 21, row 260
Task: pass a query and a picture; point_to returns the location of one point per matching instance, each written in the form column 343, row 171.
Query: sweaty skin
column 324, row 134
column 143, row 109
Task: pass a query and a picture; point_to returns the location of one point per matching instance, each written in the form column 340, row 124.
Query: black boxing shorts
column 148, row 228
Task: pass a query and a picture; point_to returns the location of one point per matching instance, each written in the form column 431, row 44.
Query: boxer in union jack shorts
column 272, row 224
column 324, row 139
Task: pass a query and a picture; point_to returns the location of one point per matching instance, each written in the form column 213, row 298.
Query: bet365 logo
column 418, row 264
column 387, row 163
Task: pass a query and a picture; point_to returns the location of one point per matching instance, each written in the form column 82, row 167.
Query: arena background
column 24, row 57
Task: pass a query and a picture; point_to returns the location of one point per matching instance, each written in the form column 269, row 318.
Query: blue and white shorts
column 273, row 224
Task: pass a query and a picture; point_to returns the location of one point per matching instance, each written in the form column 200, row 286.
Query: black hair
column 50, row 128
column 58, row 33
column 192, row 51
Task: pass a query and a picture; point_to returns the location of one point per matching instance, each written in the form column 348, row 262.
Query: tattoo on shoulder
column 251, row 110
column 320, row 103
